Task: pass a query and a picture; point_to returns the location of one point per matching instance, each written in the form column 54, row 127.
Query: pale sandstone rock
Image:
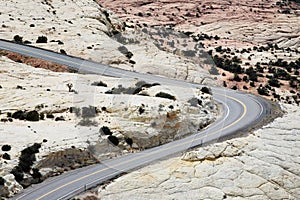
column 262, row 165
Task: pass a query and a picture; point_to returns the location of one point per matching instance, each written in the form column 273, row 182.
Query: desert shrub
column 19, row 115
column 236, row 78
column 195, row 102
column 50, row 116
column 6, row 156
column 88, row 112
column 75, row 110
column 35, row 173
column 63, row 51
column 87, row 122
column 129, row 141
column 125, row 51
column 18, row 39
column 18, row 173
column 27, row 157
column 100, row 83
column 2, row 180
column 33, row 116
column 263, row 91
column 206, row 90
column 20, row 87
column 113, row 139
column 42, row 39
column 245, row 79
column 189, row 53
column 214, row 71
column 105, row 130
column 61, row 118
column 6, row 147
column 141, row 110
column 165, row 95
column 274, row 82
column 234, row 87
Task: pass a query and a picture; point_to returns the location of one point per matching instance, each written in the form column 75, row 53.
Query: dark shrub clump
column 105, row 130
column 100, row 83
column 165, row 95
column 113, row 139
column 206, row 90
column 42, row 39
column 18, row 115
column 33, row 116
column 129, row 141
column 6, row 147
column 6, row 156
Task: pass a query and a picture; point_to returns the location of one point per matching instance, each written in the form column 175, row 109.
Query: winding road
column 240, row 111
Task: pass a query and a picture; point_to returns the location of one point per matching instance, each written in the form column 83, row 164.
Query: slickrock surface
column 263, row 165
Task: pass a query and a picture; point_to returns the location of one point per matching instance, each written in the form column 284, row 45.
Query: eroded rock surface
column 263, row 165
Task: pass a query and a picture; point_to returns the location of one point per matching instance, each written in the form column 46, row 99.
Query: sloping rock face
column 263, row 165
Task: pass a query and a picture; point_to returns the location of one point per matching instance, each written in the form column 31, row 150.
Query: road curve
column 240, row 111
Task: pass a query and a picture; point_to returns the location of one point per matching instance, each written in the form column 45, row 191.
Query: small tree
column 70, row 86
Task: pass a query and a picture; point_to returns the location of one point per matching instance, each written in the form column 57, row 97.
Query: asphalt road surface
column 240, row 111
